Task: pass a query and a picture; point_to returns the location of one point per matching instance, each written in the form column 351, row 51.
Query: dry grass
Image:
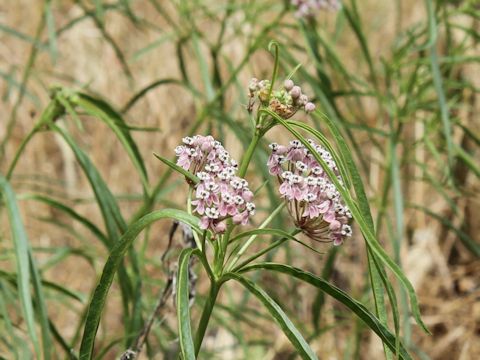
column 443, row 272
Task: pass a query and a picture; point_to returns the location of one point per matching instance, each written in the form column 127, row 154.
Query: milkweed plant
column 317, row 185
column 315, row 179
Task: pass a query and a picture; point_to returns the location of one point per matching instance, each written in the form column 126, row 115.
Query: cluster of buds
column 309, row 8
column 220, row 194
column 313, row 200
column 285, row 102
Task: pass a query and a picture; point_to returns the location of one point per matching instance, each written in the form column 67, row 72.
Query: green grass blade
column 146, row 89
column 279, row 315
column 358, row 308
column 183, row 306
column 70, row 212
column 99, row 298
column 438, row 82
column 42, row 312
column 203, row 68
column 472, row 245
column 52, row 34
column 13, row 32
column 21, row 245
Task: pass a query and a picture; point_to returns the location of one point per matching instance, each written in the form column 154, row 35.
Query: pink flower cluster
column 285, row 102
column 309, row 8
column 220, row 194
column 313, row 200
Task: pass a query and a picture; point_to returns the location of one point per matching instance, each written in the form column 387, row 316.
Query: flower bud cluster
column 285, row 102
column 309, row 8
column 219, row 194
column 313, row 200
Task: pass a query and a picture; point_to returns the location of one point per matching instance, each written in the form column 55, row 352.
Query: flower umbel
column 313, row 201
column 285, row 102
column 219, row 194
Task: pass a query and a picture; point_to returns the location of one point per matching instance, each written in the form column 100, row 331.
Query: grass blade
column 21, row 245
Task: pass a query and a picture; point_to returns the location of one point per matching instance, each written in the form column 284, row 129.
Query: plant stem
column 253, row 237
column 249, row 153
column 264, row 251
column 189, row 210
column 50, row 114
column 207, row 311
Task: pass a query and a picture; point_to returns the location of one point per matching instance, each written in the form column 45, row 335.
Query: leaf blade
column 279, row 315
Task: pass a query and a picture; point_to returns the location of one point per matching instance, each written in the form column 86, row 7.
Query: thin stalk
column 264, row 251
column 249, row 153
column 26, row 75
column 20, row 150
column 50, row 114
column 189, row 210
column 207, row 312
column 253, row 237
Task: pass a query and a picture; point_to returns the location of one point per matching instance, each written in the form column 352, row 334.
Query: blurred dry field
column 86, row 56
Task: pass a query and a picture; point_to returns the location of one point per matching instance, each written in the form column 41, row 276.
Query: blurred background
column 400, row 78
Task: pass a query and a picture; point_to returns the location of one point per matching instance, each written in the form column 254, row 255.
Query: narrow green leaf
column 52, row 34
column 103, row 111
column 146, row 89
column 358, row 308
column 99, row 10
column 438, row 82
column 72, row 213
column 183, row 306
column 117, row 253
column 194, row 179
column 106, row 201
column 279, row 316
column 203, row 68
column 42, row 312
column 13, row 32
column 472, row 245
column 21, row 245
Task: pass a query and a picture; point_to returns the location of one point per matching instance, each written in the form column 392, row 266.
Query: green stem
column 264, row 251
column 189, row 210
column 249, row 153
column 20, row 151
column 207, row 312
column 253, row 237
column 50, row 114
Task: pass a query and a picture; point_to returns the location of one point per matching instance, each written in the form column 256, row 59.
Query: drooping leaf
column 358, row 308
column 117, row 253
column 279, row 316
